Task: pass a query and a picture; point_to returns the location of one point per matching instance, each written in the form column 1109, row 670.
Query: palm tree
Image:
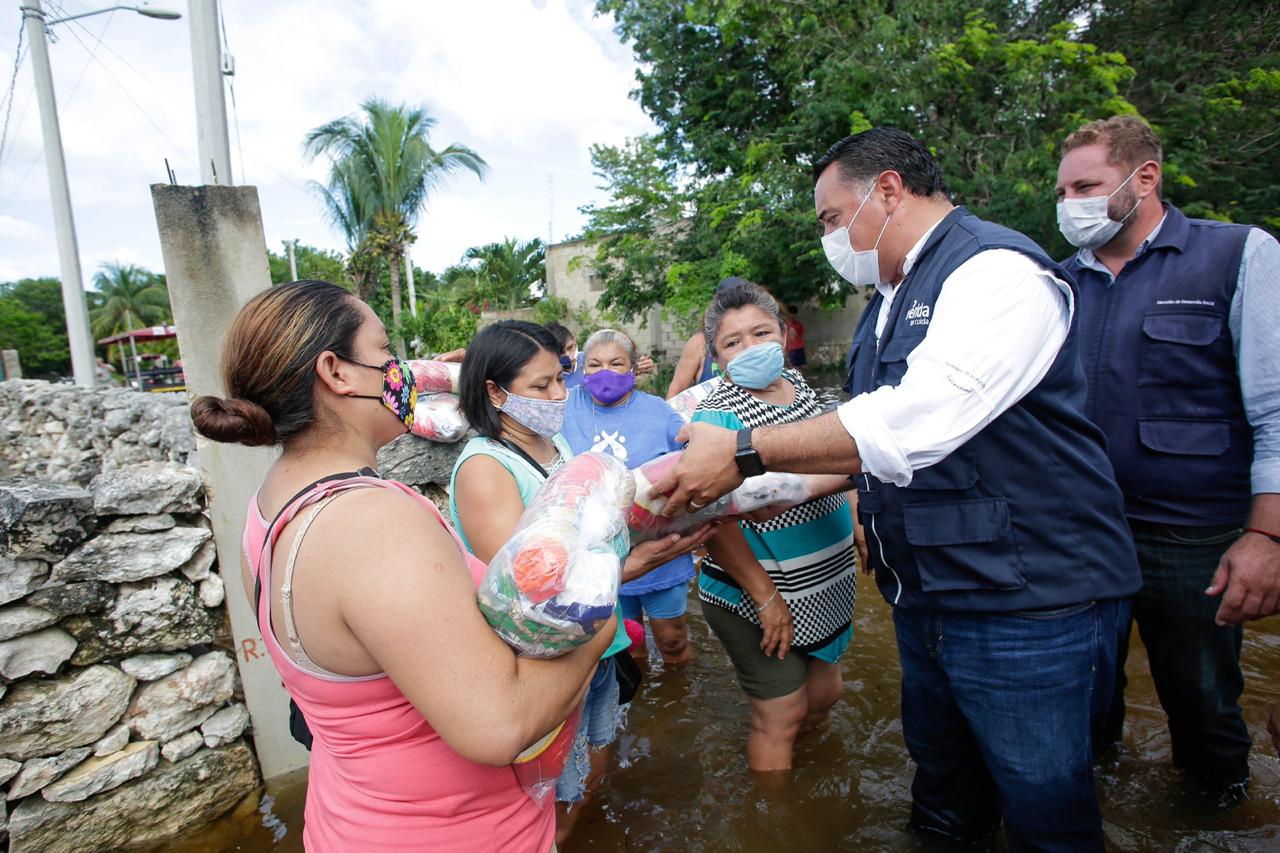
column 383, row 169
column 131, row 297
column 510, row 271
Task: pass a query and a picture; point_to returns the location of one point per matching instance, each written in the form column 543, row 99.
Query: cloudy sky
column 530, row 84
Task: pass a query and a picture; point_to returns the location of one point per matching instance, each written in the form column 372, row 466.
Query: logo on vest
column 1208, row 303
column 918, row 314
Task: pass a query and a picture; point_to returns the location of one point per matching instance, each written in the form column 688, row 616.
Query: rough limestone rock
column 102, row 774
column 112, row 741
column 23, row 619
column 157, row 806
column 182, row 746
column 38, row 772
column 197, row 568
column 8, row 769
column 212, row 591
column 161, row 615
column 19, row 577
column 44, row 651
column 147, row 489
column 226, row 725
column 73, row 599
column 141, row 523
column 152, row 667
column 416, row 461
column 40, row 520
column 122, row 557
column 179, row 702
column 42, row 717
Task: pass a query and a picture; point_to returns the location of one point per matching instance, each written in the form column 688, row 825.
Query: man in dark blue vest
column 1180, row 341
column 995, row 526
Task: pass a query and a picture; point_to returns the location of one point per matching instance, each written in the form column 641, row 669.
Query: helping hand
column 648, row 556
column 1250, row 574
column 705, row 471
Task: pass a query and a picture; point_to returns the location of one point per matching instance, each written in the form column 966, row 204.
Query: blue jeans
column 601, row 719
column 995, row 712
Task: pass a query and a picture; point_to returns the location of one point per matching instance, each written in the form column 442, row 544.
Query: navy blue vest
column 1024, row 515
column 1163, row 382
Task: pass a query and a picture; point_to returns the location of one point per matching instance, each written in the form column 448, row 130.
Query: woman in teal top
column 512, row 391
column 784, row 585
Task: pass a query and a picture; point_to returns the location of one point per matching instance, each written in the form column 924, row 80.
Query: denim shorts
column 601, row 719
column 669, row 603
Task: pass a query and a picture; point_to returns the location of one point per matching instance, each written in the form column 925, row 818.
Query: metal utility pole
column 293, row 261
column 73, row 301
column 211, row 103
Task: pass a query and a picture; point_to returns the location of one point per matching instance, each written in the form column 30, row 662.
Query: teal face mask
column 757, row 367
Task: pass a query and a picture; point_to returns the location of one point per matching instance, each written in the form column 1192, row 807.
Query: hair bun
column 233, row 420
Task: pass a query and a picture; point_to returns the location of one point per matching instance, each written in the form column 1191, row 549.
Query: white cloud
column 529, row 85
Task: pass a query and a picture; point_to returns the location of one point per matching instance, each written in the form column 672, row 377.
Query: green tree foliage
column 748, row 93
column 1208, row 79
column 382, row 170
column 42, row 349
column 312, row 263
column 132, row 298
column 509, row 274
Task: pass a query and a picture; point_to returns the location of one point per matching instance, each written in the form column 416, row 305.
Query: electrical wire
column 13, row 83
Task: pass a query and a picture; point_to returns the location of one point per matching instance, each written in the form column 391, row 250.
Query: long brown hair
column 268, row 362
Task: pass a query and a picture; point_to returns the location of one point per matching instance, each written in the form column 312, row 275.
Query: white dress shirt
column 995, row 330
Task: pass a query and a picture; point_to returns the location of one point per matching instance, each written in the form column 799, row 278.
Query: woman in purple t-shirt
column 607, row 415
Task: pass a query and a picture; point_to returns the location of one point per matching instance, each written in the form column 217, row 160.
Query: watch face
column 749, row 464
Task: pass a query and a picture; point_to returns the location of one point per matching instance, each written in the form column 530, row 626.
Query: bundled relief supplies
column 687, row 400
column 555, row 582
column 435, row 377
column 645, row 516
column 438, row 417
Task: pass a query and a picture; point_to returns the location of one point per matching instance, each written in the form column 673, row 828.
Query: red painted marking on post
column 250, row 648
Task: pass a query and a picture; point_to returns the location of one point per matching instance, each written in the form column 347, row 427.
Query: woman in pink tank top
column 367, row 601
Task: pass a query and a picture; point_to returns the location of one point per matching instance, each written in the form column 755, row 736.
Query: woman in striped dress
column 779, row 593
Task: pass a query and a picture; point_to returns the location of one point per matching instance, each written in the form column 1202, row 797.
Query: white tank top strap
column 296, row 651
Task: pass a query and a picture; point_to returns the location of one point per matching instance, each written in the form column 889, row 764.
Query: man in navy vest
column 1180, row 341
column 995, row 526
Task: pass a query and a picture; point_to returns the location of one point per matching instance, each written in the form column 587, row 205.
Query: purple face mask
column 608, row 386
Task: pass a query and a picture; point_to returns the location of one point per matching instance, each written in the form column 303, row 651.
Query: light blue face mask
column 758, row 367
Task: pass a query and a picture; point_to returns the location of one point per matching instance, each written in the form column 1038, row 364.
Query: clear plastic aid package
column 438, row 417
column 645, row 516
column 687, row 400
column 555, row 582
column 435, row 377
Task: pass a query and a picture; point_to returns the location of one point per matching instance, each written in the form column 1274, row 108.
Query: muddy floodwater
column 678, row 780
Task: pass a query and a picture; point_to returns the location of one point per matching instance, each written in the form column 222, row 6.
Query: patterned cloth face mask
column 399, row 393
column 545, row 417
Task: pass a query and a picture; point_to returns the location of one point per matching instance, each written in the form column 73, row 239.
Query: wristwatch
column 747, row 457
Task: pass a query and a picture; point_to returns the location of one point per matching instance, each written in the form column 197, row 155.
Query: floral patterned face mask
column 399, row 394
column 545, row 417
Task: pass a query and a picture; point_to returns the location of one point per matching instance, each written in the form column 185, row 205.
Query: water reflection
column 680, row 782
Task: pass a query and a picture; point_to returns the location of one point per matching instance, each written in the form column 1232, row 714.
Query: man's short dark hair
column 865, row 155
column 561, row 333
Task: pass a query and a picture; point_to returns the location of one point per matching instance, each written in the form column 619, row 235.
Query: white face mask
column 1084, row 221
column 858, row 268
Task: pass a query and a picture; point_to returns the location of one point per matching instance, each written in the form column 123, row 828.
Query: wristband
column 768, row 601
column 1273, row 537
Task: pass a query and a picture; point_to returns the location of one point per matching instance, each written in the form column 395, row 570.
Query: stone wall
column 121, row 720
column 63, row 434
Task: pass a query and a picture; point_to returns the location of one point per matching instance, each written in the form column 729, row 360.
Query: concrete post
column 215, row 260
column 12, row 366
